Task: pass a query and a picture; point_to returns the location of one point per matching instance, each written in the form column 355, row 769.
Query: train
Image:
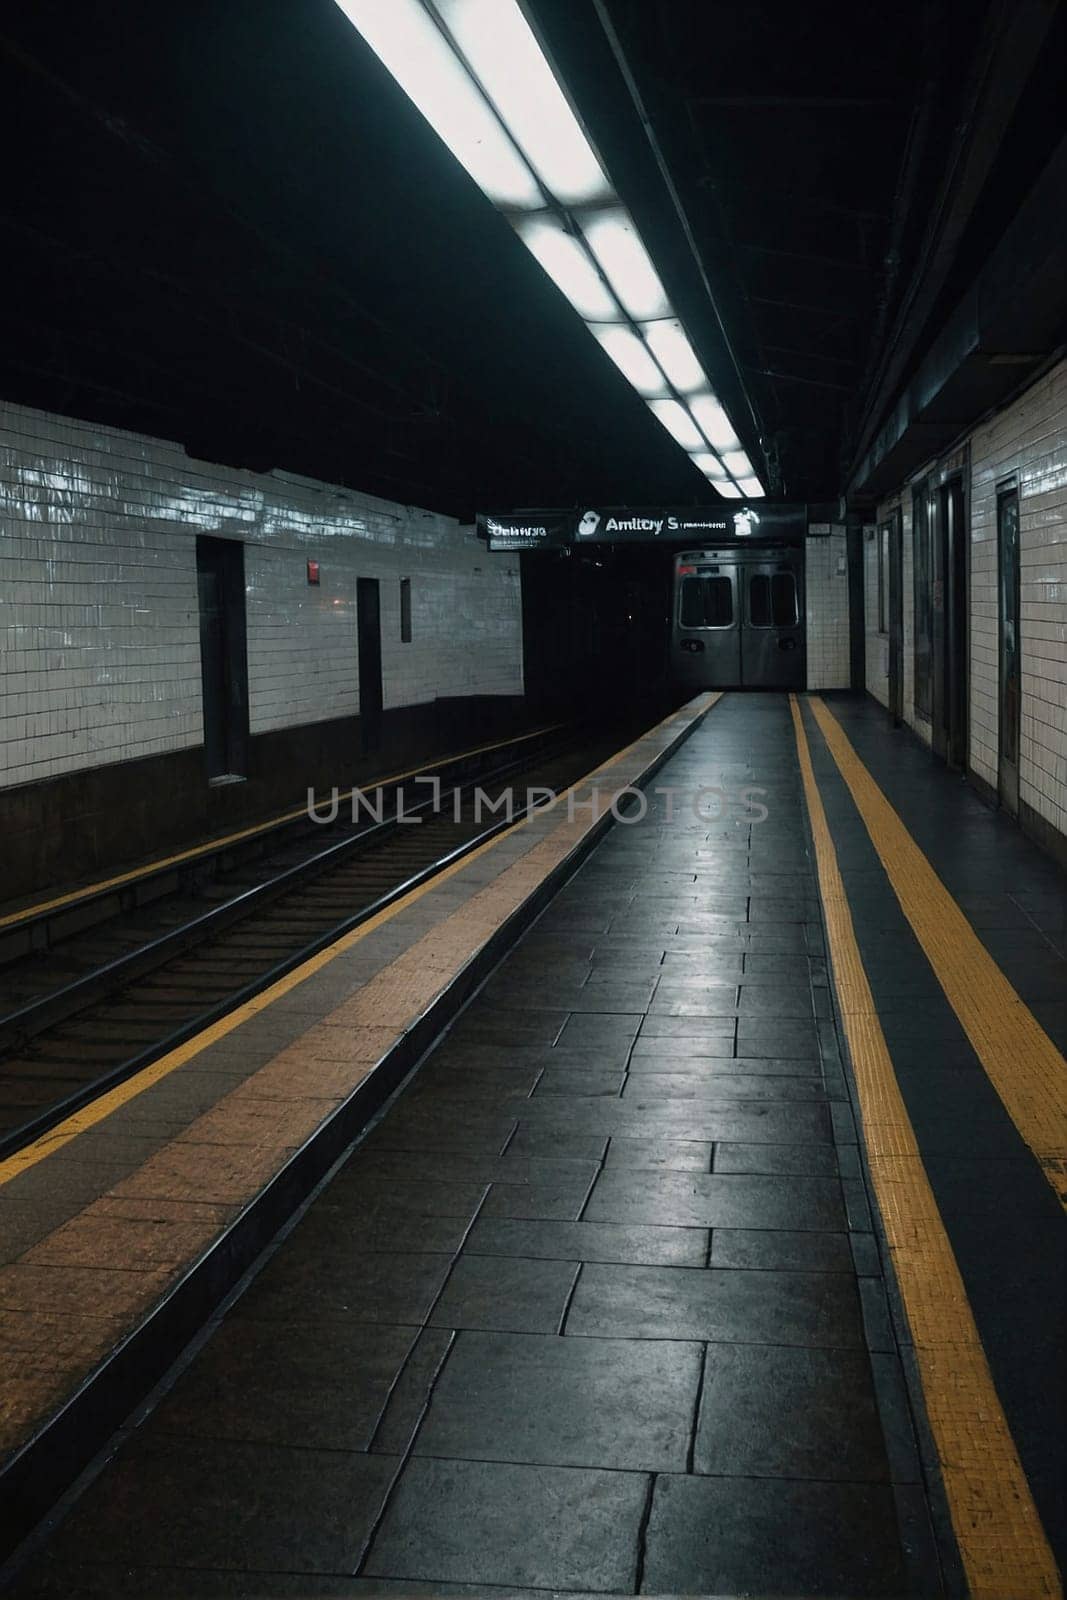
column 737, row 618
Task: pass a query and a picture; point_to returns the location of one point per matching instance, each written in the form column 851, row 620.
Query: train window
column 772, row 601
column 784, row 599
column 707, row 603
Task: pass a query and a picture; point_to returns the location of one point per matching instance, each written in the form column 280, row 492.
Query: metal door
column 894, row 529
column 1010, row 667
column 369, row 624
column 213, row 672
column 949, row 723
column 223, row 662
column 772, row 635
column 923, row 573
column 709, row 634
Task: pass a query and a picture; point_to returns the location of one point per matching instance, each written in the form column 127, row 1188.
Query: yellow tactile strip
column 101, row 1272
column 1002, row 1544
column 75, row 896
column 1021, row 1061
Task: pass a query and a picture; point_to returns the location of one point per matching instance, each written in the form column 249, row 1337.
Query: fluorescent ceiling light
column 709, row 464
column 631, row 357
column 751, row 488
column 714, row 423
column 625, row 263
column 475, row 70
column 500, row 48
column 407, row 41
column 568, row 265
column 675, row 354
column 678, row 423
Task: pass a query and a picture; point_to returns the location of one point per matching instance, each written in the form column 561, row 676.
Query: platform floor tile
column 530, row 1527
column 581, row 1313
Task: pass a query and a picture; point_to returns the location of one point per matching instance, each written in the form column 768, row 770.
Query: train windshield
column 707, row 603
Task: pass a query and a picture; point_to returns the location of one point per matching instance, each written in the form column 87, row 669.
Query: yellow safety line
column 1021, row 1061
column 195, row 851
column 88, row 1116
column 1002, row 1543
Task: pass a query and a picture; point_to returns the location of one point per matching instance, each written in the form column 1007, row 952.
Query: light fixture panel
column 476, row 72
column 624, row 261
column 630, row 355
column 568, row 265
column 708, row 463
column 409, row 43
column 668, row 343
column 499, row 46
column 714, row 423
column 678, row 423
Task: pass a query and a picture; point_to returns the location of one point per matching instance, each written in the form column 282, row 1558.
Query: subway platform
column 715, row 1248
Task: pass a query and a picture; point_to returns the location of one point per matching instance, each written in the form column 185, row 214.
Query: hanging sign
column 659, row 524
column 527, row 530
column 561, row 529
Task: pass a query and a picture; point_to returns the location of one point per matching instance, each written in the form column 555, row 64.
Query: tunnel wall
column 101, row 731
column 1027, row 441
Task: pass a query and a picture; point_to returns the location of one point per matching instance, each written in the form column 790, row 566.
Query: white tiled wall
column 99, row 621
column 1029, row 441
column 826, row 587
column 1025, row 443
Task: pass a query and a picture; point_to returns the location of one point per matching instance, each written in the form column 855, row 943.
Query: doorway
column 950, row 685
column 369, row 630
column 893, row 534
column 1010, row 667
column 923, row 599
column 220, row 581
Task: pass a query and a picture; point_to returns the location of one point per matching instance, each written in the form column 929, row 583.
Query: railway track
column 101, row 1002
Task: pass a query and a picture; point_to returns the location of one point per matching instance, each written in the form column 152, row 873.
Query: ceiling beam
column 804, row 255
column 811, row 355
column 798, row 102
column 794, row 377
column 837, row 313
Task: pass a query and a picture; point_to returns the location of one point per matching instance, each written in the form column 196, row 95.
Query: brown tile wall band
column 62, row 1444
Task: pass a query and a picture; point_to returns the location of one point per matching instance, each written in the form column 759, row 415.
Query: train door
column 709, row 633
column 772, row 635
column 1009, row 642
column 949, row 722
column 369, row 626
column 895, row 538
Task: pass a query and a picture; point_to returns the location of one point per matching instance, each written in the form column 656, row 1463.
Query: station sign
column 660, row 524
column 528, row 530
column 562, row 529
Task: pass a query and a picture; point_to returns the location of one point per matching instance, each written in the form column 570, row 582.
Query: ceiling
column 228, row 226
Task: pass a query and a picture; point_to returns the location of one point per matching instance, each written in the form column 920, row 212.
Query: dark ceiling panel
column 785, row 129
column 229, row 226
